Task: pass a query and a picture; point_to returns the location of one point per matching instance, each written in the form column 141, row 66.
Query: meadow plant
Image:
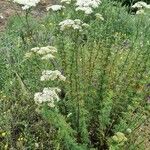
column 27, row 3
column 94, row 80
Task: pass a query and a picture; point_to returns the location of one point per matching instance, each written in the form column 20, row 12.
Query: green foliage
column 105, row 93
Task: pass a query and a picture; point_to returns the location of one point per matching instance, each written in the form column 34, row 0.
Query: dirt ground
column 7, row 9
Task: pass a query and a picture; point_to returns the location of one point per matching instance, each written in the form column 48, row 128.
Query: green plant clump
column 77, row 79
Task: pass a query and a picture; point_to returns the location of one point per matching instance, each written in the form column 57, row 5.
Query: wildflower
column 35, row 49
column 28, row 55
column 119, row 137
column 99, row 16
column 76, row 24
column 20, row 139
column 25, row 7
column 128, row 130
column 49, row 96
column 78, row 21
column 140, row 5
column 46, row 50
column 4, row 134
column 27, row 3
column 6, row 146
column 36, row 145
column 66, row 1
column 88, row 3
column 66, row 24
column 86, row 10
column 52, row 75
column 139, row 12
column 53, row 49
column 55, row 7
column 85, row 25
column 47, row 56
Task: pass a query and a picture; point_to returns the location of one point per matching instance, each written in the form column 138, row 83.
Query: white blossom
column 85, row 25
column 27, row 3
column 52, row 75
column 76, row 27
column 88, row 3
column 49, row 96
column 28, row 55
column 99, row 16
column 55, row 7
column 25, row 7
column 53, row 49
column 66, row 1
column 76, row 24
column 141, row 5
column 78, row 21
column 46, row 50
column 86, row 10
column 66, row 24
column 35, row 49
column 48, row 56
column 139, row 12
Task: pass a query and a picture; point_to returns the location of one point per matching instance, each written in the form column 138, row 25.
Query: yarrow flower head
column 46, row 50
column 139, row 12
column 119, row 137
column 48, row 56
column 52, row 75
column 66, row 1
column 55, row 7
column 88, row 3
column 140, row 5
column 66, row 24
column 76, row 24
column 27, row 3
column 129, row 131
column 86, row 10
column 28, row 55
column 48, row 95
column 99, row 16
column 35, row 49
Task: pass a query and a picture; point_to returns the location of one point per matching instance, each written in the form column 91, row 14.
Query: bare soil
column 8, row 9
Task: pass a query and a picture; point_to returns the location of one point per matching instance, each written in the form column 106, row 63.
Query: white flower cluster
column 46, row 52
column 119, row 137
column 76, row 24
column 86, row 10
column 87, row 5
column 55, row 7
column 140, row 6
column 141, row 11
column 27, row 3
column 66, row 1
column 52, row 75
column 49, row 96
column 99, row 16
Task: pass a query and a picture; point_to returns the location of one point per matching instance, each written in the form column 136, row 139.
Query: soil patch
column 8, row 9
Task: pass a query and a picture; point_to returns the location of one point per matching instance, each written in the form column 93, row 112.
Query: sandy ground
column 7, row 9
